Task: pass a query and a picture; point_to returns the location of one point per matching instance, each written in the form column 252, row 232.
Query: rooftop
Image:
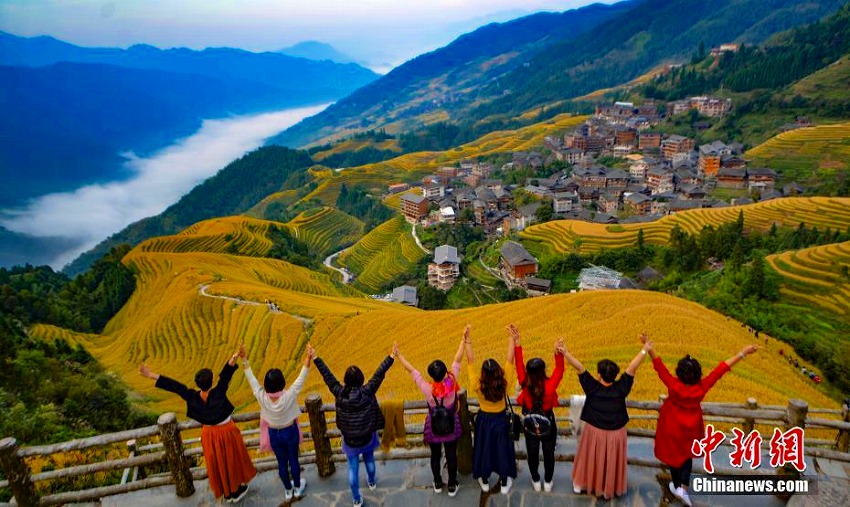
column 515, row 254
column 446, row 253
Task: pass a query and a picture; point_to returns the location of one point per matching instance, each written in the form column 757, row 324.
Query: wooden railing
column 168, row 450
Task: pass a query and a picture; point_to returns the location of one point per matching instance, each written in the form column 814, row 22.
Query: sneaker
column 302, row 485
column 485, row 486
column 438, row 487
column 453, row 490
column 239, row 494
column 677, row 492
column 685, row 498
column 506, row 487
column 547, row 486
column 228, row 499
column 287, row 494
column 577, row 490
column 536, row 486
column 373, row 486
column 358, row 502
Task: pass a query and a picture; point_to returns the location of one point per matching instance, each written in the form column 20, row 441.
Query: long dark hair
column 353, row 379
column 493, row 384
column 535, row 378
column 689, row 370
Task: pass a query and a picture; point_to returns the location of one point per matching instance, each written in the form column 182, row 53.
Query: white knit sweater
column 284, row 410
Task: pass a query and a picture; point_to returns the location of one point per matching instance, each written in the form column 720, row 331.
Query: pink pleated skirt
column 600, row 466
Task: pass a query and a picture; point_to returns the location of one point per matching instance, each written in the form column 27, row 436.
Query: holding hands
column 560, row 346
column 309, row 355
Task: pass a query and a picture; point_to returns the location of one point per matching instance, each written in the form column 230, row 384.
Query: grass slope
column 386, row 252
column 234, row 235
column 563, row 236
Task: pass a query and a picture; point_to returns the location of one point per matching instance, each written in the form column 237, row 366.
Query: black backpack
column 442, row 419
column 535, row 422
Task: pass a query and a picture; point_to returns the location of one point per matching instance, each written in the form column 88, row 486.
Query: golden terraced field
column 415, row 165
column 562, row 236
column 384, row 253
column 807, row 151
column 326, row 229
column 169, row 324
column 242, row 235
column 817, row 276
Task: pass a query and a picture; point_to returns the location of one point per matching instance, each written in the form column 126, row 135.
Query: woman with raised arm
column 442, row 423
column 229, row 466
column 538, row 398
column 493, row 449
column 279, row 411
column 358, row 418
column 600, row 464
column 680, row 418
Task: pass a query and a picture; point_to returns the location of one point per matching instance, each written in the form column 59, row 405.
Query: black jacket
column 358, row 415
column 216, row 409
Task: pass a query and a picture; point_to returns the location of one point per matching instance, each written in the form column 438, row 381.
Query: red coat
column 550, row 393
column 680, row 419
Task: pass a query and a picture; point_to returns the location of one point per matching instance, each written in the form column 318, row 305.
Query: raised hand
column 396, row 352
column 514, row 333
column 309, row 355
column 644, row 338
column 242, row 352
column 750, row 349
column 146, row 372
column 648, row 345
column 466, row 331
column 560, row 346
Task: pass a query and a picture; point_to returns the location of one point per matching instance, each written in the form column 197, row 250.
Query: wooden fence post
column 749, row 422
column 795, row 416
column 173, row 446
column 464, row 445
column 17, row 473
column 842, row 443
column 319, row 432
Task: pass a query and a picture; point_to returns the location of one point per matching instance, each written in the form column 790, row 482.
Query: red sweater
column 550, row 394
column 680, row 418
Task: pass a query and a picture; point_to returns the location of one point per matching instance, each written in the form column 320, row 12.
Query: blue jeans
column 284, row 443
column 354, row 471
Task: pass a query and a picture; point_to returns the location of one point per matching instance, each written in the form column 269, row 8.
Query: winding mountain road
column 346, row 276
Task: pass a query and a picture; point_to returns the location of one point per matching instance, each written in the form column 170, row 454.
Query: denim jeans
column 354, row 471
column 284, row 443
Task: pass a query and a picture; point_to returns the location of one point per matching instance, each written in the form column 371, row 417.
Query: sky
column 85, row 216
column 382, row 33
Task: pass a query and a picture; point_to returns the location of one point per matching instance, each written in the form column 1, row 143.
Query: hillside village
column 618, row 167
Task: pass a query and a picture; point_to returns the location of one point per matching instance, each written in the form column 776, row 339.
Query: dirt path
column 202, row 290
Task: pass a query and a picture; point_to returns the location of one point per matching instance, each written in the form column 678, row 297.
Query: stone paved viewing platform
column 407, row 483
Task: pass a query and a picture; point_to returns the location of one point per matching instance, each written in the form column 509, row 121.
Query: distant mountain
column 445, row 79
column 315, row 50
column 486, row 80
column 69, row 111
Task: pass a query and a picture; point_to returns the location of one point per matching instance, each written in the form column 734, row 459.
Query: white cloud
column 92, row 213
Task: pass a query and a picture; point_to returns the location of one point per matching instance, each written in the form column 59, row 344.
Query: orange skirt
column 228, row 463
column 600, row 467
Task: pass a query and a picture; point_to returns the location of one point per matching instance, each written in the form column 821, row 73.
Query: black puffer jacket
column 358, row 415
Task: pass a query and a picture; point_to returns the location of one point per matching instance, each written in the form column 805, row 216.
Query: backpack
column 535, row 422
column 442, row 419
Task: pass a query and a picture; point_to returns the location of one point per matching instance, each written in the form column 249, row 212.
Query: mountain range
column 315, row 50
column 485, row 80
column 70, row 111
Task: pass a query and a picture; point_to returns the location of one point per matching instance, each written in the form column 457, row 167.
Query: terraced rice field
column 386, row 252
column 234, row 235
column 816, row 276
column 354, row 145
column 285, row 198
column 563, row 236
column 326, row 230
column 169, row 325
column 806, row 152
column 415, row 165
